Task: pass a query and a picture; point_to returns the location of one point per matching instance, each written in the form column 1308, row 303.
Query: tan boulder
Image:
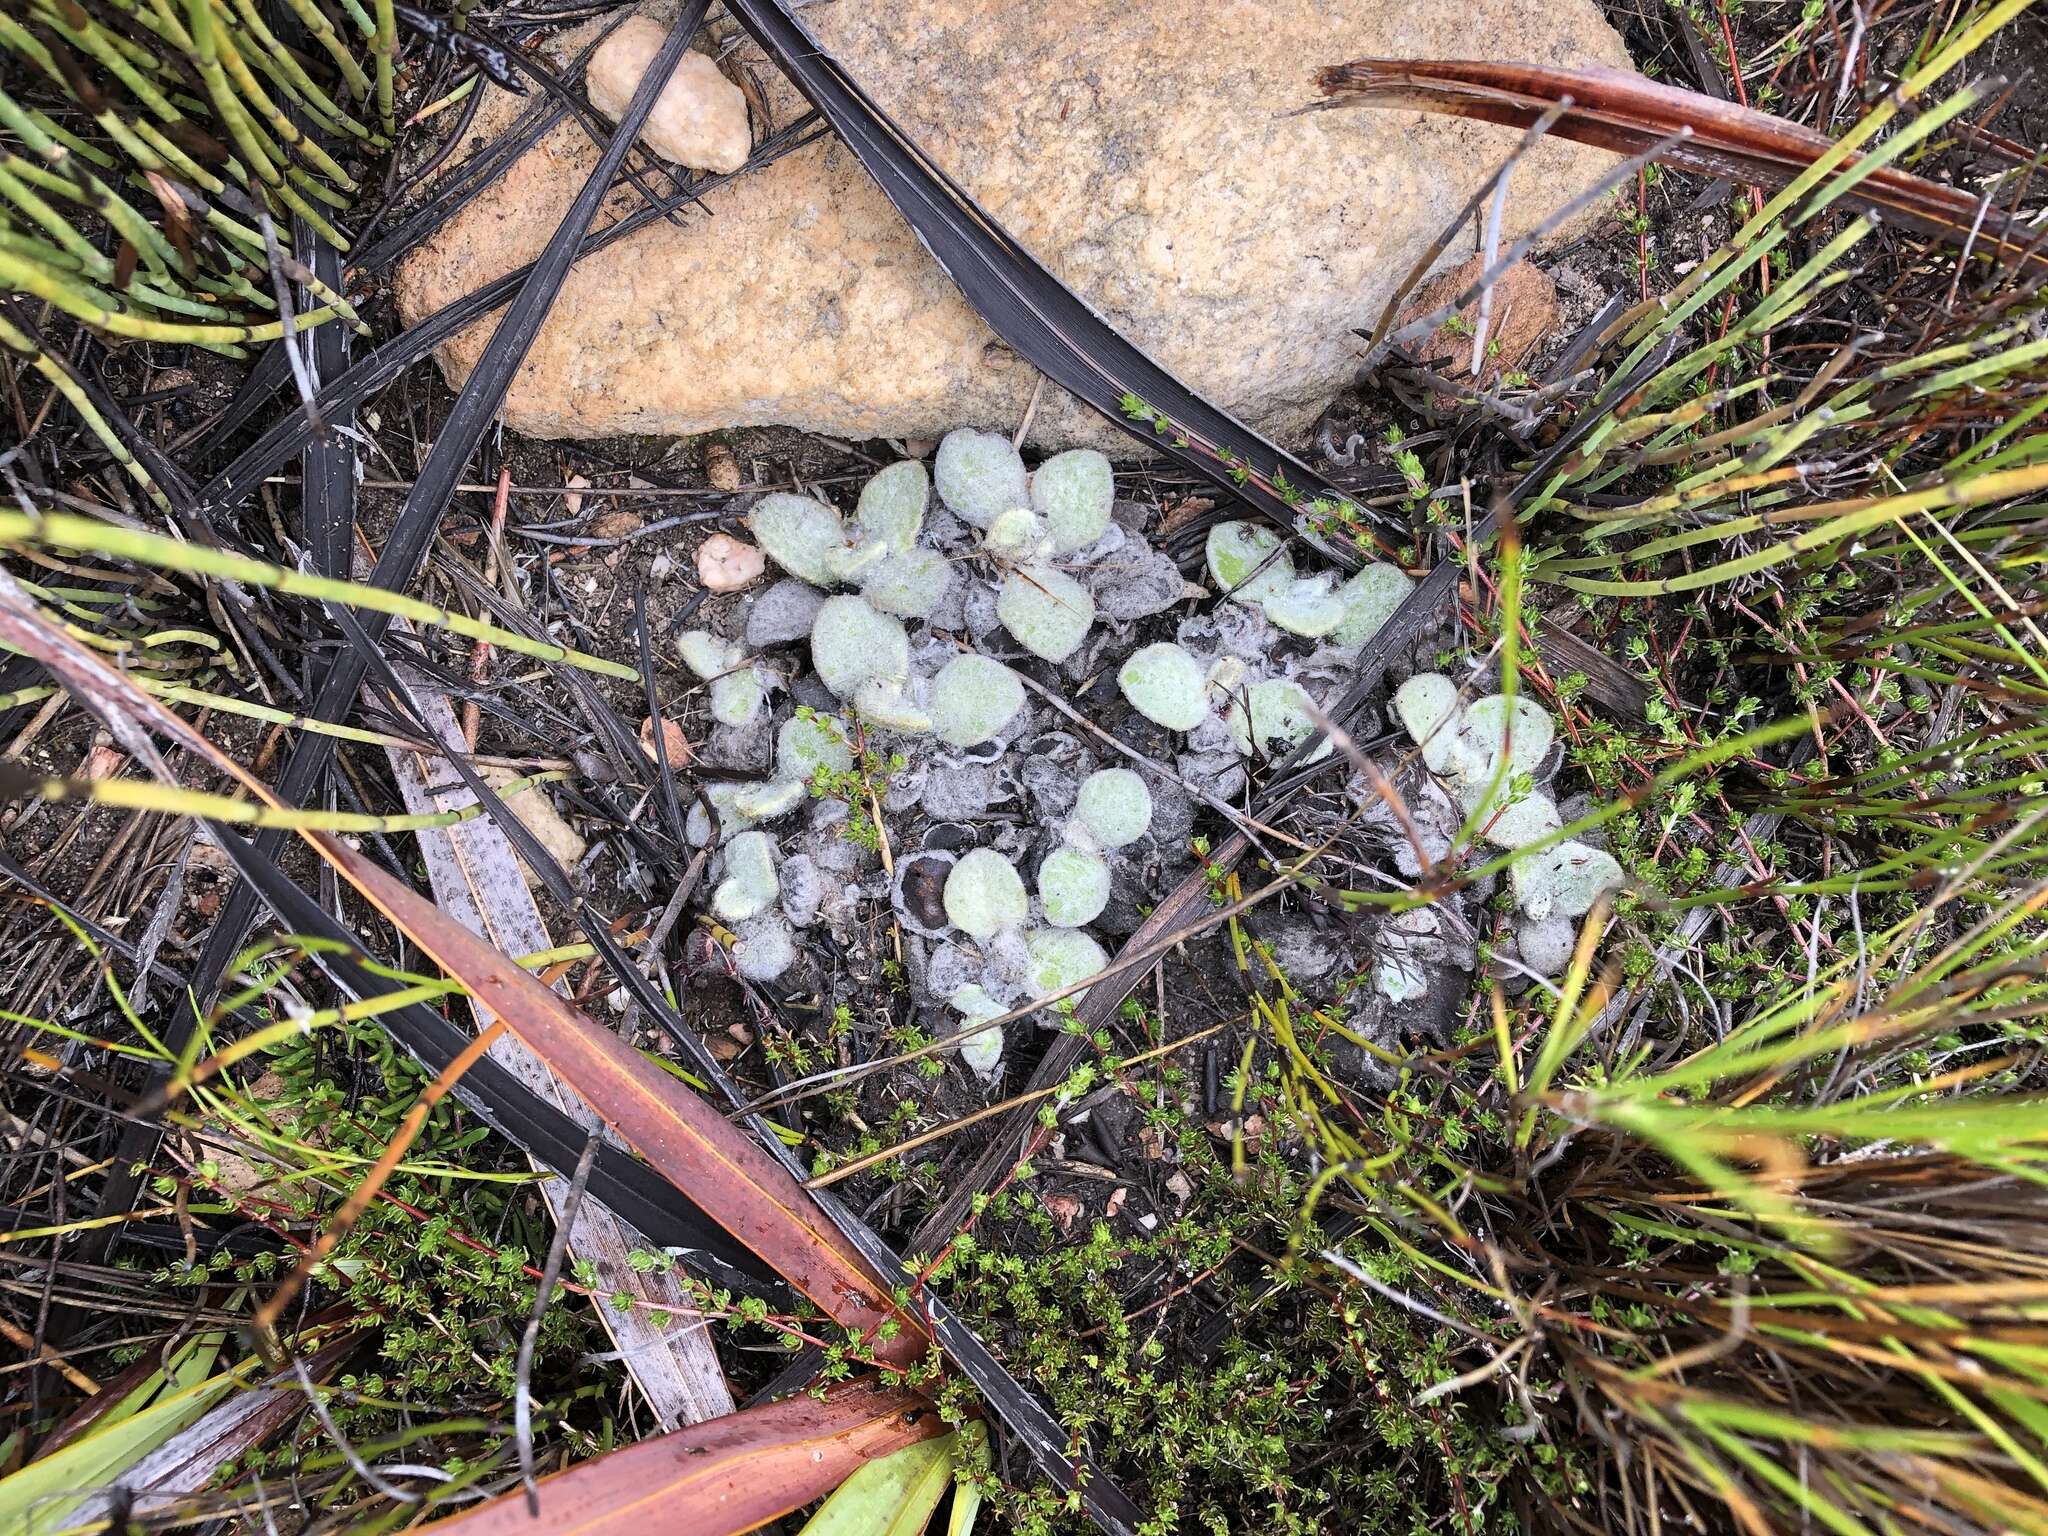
column 1145, row 153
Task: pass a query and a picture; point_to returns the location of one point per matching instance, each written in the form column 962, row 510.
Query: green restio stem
column 260, row 158
column 385, row 45
column 317, row 26
column 17, row 342
column 164, row 799
column 286, row 130
column 28, row 278
column 63, row 530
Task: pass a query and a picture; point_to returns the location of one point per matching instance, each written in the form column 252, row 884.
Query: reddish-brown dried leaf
column 720, row 1477
column 687, row 1142
column 1629, row 115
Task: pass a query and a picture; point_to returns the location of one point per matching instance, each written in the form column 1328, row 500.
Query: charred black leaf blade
column 1033, row 311
column 475, row 408
column 627, row 1187
column 291, row 432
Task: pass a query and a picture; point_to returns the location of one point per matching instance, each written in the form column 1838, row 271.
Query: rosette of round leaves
column 750, row 886
column 808, row 743
column 1563, row 881
column 1073, row 886
column 1369, row 600
column 1247, row 562
column 979, row 475
column 1487, row 750
column 1046, row 611
column 1114, row 807
column 972, row 699
column 1074, row 493
column 853, row 642
column 982, row 1051
column 801, row 535
column 908, row 583
column 1164, row 684
column 736, row 687
column 891, row 506
column 1058, row 959
column 1308, row 606
column 984, row 895
column 1271, row 718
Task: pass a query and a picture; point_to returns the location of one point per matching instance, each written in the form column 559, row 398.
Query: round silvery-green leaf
column 737, row 696
column 983, row 1050
column 1273, row 716
column 1427, row 705
column 806, row 744
column 766, row 947
column 750, row 887
column 985, row 894
column 1073, row 887
column 851, row 564
column 1531, row 817
column 1369, row 600
column 883, row 701
column 1073, row 492
column 910, row 584
column 1236, row 550
column 1528, row 733
column 765, row 802
column 1047, row 611
column 891, row 506
column 1545, row 943
column 1060, row 957
column 1164, row 684
column 799, row 534
column 1306, row 607
column 705, row 654
column 852, row 642
column 978, row 475
column 1564, row 881
column 1018, row 535
column 972, row 699
column 733, row 817
column 1115, row 806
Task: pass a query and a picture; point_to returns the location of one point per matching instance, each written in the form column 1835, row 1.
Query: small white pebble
column 700, row 117
column 725, row 564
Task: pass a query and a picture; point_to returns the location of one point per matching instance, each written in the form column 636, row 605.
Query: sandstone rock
column 700, row 117
column 1143, row 152
column 564, row 844
column 1524, row 311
